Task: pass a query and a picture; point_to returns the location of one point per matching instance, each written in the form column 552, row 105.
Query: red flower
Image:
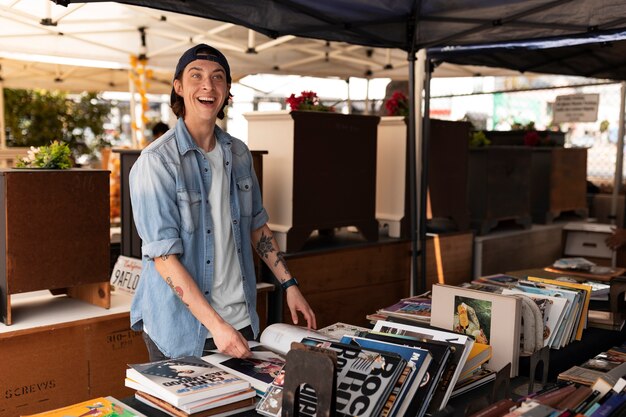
column 531, row 138
column 307, row 100
column 397, row 105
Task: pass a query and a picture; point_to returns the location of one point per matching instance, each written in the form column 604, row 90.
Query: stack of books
column 415, row 308
column 189, row 386
column 606, row 397
column 593, row 369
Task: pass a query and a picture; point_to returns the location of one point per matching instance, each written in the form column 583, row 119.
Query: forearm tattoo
column 264, row 246
column 177, row 290
column 280, row 259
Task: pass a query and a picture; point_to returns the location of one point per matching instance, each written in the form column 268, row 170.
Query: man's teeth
column 206, row 99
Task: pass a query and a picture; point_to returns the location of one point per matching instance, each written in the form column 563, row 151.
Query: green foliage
column 37, row 117
column 478, row 140
column 54, row 156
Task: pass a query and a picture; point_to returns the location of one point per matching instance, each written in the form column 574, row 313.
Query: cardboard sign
column 576, row 108
column 126, row 273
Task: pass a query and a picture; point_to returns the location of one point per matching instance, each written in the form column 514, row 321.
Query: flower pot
column 319, row 174
column 55, row 234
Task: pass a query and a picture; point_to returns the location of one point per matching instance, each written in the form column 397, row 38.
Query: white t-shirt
column 227, row 296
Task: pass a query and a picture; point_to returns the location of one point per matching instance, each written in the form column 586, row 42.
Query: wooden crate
column 320, row 172
column 559, row 183
column 55, row 233
column 499, row 186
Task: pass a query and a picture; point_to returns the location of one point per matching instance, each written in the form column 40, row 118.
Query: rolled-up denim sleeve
column 155, row 209
column 259, row 215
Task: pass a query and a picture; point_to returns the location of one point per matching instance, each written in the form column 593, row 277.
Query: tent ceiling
column 406, row 24
column 597, row 57
column 107, row 34
column 111, row 32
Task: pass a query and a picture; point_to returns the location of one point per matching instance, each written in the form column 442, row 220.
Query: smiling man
column 198, row 210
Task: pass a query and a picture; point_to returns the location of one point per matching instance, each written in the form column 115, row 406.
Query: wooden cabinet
column 55, row 234
column 448, row 171
column 499, row 186
column 558, row 183
column 320, row 172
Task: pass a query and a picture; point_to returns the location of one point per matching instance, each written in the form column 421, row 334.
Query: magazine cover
column 489, row 318
column 365, row 378
column 440, row 371
column 102, row 407
column 419, row 360
column 460, row 345
column 183, row 380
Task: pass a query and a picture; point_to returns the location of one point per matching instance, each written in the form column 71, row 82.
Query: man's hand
column 230, row 342
column 296, row 302
column 617, row 239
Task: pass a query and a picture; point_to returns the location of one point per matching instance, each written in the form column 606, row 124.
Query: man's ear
column 178, row 87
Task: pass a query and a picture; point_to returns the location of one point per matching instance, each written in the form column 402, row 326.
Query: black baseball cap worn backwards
column 201, row 51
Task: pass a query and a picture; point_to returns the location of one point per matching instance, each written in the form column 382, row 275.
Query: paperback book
column 184, row 380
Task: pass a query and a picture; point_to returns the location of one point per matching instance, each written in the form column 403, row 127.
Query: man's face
column 203, row 88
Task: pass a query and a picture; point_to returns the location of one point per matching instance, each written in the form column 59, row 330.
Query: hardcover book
column 184, row 380
column 489, row 318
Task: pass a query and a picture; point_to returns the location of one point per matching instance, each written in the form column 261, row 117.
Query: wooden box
column 447, row 174
column 320, row 172
column 559, row 183
column 61, row 351
column 516, row 137
column 449, row 258
column 448, row 170
column 499, row 186
column 55, row 233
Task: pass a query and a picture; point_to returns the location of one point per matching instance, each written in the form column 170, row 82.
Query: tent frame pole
column 425, row 147
column 411, row 150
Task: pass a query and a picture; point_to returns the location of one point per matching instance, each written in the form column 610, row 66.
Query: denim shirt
column 169, row 187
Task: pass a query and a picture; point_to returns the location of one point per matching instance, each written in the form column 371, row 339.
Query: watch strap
column 289, row 283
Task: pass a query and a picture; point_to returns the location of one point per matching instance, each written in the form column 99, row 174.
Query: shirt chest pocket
column 244, row 193
column 189, row 207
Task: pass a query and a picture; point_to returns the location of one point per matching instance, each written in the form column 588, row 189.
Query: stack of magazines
column 189, row 386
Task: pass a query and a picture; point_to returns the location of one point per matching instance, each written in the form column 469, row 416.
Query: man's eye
column 218, row 77
column 195, row 75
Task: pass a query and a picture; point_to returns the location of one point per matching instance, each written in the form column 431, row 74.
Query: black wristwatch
column 289, row 283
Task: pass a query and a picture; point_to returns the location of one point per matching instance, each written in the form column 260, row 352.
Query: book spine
column 577, row 397
column 610, row 405
column 551, row 399
column 497, row 409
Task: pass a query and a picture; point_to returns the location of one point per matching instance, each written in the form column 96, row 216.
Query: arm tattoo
column 264, row 246
column 177, row 290
column 280, row 259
